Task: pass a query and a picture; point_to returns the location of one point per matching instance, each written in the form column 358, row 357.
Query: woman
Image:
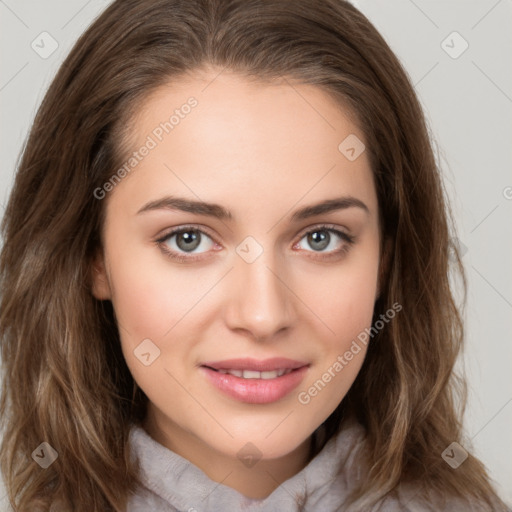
column 303, row 356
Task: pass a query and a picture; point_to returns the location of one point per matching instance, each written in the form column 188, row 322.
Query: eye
column 182, row 244
column 185, row 240
column 327, row 239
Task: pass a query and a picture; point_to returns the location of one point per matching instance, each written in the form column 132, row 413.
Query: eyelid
column 198, row 227
column 327, row 227
column 184, row 227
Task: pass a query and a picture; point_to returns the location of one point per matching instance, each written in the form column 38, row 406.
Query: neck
column 253, row 481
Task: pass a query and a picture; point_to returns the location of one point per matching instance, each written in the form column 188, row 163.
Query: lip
column 256, row 391
column 247, row 363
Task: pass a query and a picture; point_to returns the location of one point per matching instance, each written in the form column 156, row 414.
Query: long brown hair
column 65, row 381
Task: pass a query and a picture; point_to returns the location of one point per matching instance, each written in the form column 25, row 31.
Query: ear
column 384, row 264
column 100, row 285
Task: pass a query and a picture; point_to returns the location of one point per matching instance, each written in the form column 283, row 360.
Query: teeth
column 236, row 373
column 251, row 374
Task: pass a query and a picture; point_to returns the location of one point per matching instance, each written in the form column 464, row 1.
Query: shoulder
column 411, row 499
column 143, row 500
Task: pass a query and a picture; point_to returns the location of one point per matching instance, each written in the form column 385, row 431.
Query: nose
column 260, row 302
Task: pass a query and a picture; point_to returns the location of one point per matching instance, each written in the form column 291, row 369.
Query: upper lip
column 247, row 363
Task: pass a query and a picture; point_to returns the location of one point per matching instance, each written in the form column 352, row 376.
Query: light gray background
column 468, row 102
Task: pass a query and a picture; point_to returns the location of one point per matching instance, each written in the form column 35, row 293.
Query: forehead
column 249, row 143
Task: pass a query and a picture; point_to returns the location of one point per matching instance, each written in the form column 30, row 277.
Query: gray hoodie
column 171, row 483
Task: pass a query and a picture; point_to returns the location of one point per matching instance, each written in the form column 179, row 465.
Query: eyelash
column 348, row 239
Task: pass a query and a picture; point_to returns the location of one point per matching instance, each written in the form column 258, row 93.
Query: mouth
column 257, row 382
column 256, row 365
column 252, row 374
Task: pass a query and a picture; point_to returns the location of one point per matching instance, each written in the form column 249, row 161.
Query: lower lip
column 256, row 391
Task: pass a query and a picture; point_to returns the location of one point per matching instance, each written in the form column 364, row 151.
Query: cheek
column 344, row 301
column 142, row 309
column 149, row 314
column 153, row 301
column 150, row 297
column 344, row 298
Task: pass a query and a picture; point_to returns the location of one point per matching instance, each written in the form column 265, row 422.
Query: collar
column 322, row 484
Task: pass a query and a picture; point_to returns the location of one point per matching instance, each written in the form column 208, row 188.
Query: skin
column 262, row 152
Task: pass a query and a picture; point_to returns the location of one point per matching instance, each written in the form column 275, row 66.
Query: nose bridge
column 260, row 301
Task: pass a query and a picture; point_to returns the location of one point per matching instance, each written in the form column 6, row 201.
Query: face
column 266, row 276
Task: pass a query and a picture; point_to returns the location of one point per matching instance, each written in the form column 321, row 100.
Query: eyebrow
column 219, row 212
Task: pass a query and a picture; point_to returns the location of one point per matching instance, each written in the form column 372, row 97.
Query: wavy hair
column 64, row 378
